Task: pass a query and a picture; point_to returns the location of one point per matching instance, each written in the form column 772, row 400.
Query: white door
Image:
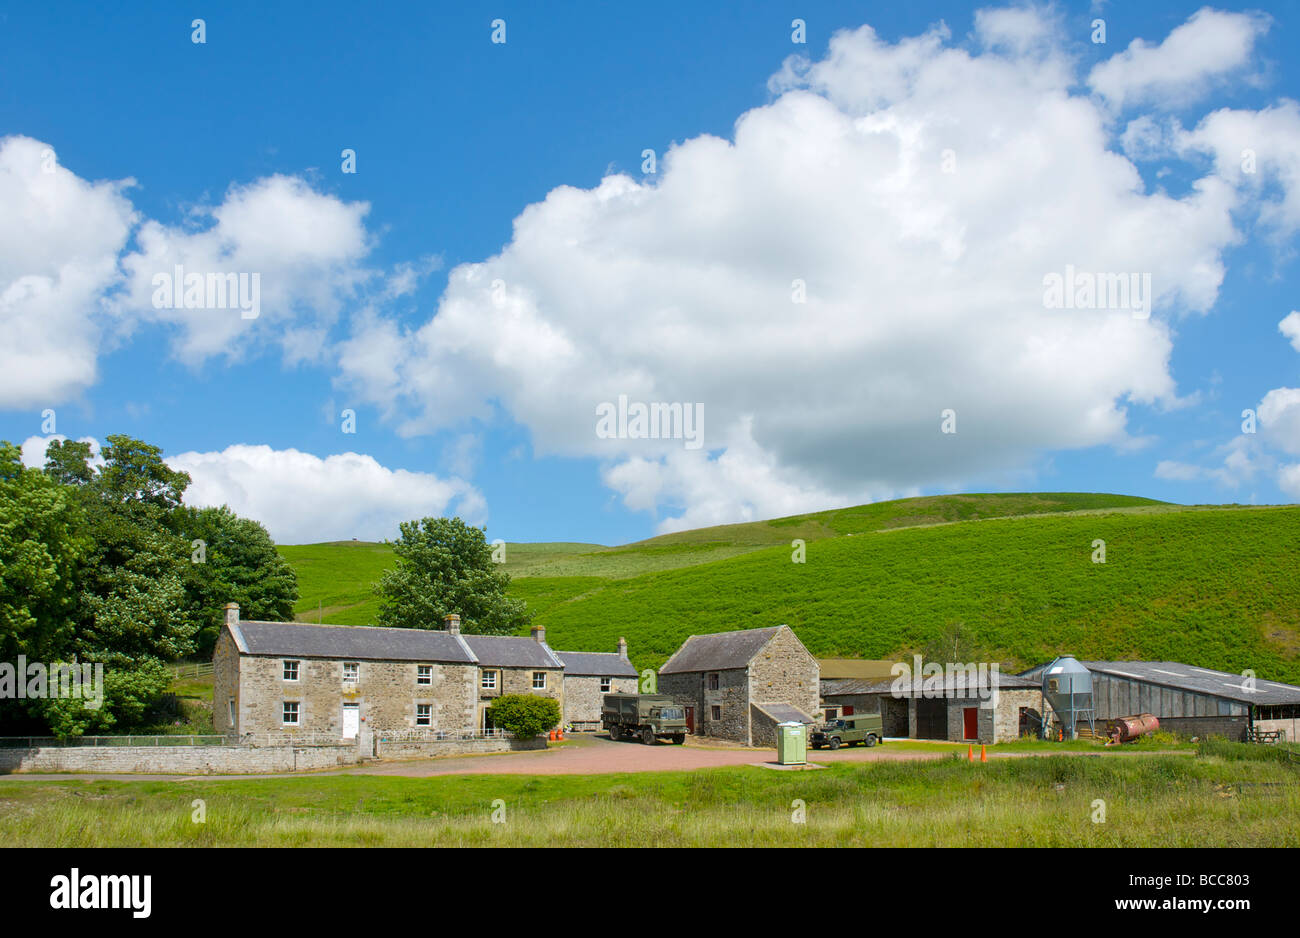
column 351, row 720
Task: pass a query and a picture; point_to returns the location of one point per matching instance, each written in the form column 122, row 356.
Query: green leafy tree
column 443, row 566
column 233, row 559
column 525, row 715
column 128, row 695
column 40, row 551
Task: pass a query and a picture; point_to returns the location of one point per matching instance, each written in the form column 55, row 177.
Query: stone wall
column 732, row 696
column 519, row 681
column 1233, row 728
column 225, row 683
column 387, row 693
column 784, row 672
column 861, row 703
column 432, row 749
column 997, row 724
column 176, row 760
column 583, row 696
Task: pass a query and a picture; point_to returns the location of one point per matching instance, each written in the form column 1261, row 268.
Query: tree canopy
column 445, row 566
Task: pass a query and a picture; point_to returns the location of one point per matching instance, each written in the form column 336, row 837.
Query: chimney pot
column 232, row 613
column 451, row 622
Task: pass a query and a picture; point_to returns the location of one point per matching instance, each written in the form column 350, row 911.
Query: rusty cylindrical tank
column 1128, row 729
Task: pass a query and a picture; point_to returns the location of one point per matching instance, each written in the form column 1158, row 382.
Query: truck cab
column 859, row 729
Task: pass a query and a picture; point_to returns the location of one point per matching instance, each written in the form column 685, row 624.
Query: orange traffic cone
column 559, row 734
column 970, row 753
column 984, row 756
column 551, row 736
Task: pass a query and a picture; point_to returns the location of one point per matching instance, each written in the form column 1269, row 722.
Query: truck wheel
column 871, row 740
column 835, row 742
column 614, row 733
column 817, row 745
column 648, row 736
column 679, row 739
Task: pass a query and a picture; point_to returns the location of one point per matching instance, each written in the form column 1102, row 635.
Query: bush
column 525, row 715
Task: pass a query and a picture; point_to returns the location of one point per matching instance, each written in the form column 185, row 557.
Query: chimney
column 232, row 613
column 622, row 648
column 539, row 634
column 451, row 622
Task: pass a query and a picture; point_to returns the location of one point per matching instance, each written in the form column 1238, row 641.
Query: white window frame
column 424, row 674
column 355, row 672
column 428, row 717
column 231, row 705
column 536, row 675
column 488, row 680
column 606, row 685
column 296, row 668
column 297, row 713
column 715, row 708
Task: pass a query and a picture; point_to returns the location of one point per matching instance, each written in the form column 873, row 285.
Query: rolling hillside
column 1217, row 586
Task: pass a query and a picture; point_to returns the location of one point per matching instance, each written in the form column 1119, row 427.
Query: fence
column 435, row 736
column 191, row 671
column 41, row 742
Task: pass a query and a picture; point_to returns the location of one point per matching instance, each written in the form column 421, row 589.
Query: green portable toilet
column 791, row 744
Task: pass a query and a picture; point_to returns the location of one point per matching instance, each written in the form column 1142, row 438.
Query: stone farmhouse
column 344, row 681
column 740, row 685
column 589, row 676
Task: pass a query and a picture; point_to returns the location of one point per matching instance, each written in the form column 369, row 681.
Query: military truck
column 865, row 729
column 645, row 716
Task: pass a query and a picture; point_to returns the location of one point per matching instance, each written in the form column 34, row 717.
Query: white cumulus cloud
column 916, row 194
column 303, row 498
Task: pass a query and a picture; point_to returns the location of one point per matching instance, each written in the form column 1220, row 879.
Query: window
column 232, row 711
column 424, row 714
column 351, row 672
column 424, row 674
column 291, row 670
column 606, row 684
column 489, row 681
column 289, row 716
column 715, row 712
column 714, row 681
column 539, row 680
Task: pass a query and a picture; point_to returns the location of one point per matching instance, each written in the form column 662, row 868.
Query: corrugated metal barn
column 1190, row 700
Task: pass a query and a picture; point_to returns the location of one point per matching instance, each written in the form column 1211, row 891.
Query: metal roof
column 504, row 651
column 1196, row 680
column 784, row 713
column 359, row 642
column 596, row 664
column 720, row 651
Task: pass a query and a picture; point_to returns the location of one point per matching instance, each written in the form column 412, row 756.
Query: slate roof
column 840, row 688
column 720, row 651
column 1196, row 680
column 504, row 651
column 354, row 642
column 784, row 713
column 596, row 664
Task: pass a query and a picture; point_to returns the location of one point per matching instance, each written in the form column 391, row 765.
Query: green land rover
column 867, row 729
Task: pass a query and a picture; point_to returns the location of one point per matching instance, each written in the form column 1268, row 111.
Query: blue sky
column 921, row 289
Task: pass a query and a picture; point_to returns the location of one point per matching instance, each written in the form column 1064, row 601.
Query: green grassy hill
column 1215, row 586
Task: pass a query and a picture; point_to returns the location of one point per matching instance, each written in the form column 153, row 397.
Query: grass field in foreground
column 1222, row 799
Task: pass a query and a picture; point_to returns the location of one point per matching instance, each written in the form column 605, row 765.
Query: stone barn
column 588, row 677
column 739, row 685
column 975, row 706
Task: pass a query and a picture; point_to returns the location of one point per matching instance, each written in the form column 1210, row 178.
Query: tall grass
column 1148, row 801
